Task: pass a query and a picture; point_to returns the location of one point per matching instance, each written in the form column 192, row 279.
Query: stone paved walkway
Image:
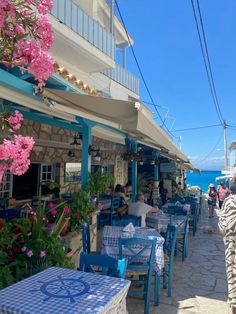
column 199, row 283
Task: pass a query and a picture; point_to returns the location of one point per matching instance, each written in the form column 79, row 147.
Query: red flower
column 1, row 223
column 76, row 214
column 10, row 259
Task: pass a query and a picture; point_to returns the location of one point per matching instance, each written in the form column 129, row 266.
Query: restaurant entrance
column 25, row 186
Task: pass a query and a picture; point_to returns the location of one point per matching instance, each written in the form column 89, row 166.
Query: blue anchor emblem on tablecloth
column 64, row 288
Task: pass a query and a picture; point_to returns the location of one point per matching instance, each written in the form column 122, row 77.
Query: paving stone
column 199, row 283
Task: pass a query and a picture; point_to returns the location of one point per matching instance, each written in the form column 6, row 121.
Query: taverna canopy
column 133, row 118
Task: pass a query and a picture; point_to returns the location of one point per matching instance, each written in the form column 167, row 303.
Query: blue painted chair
column 182, row 237
column 139, row 266
column 86, row 243
column 104, row 264
column 86, row 240
column 175, row 210
column 193, row 219
column 167, row 271
column 67, row 197
column 125, row 220
column 105, row 217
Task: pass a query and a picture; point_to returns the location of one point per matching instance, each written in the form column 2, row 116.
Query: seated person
column 128, row 190
column 120, row 191
column 139, row 208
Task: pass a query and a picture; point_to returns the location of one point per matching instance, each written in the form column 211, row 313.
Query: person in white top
column 139, row 208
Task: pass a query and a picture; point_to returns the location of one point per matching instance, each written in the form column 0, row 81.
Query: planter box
column 76, row 240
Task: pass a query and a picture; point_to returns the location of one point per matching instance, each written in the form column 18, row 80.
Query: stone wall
column 46, row 151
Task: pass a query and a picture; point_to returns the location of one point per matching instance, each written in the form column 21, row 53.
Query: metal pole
column 180, row 142
column 225, row 145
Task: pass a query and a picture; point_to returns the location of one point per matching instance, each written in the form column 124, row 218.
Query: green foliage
column 83, row 203
column 98, row 183
column 80, row 208
column 27, row 247
column 141, row 182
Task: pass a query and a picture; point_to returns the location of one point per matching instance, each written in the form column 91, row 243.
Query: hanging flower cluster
column 15, row 149
column 25, row 36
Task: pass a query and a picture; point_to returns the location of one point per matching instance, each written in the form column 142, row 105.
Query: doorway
column 26, row 185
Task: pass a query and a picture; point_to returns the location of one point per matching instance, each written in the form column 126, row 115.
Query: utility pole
column 180, row 142
column 225, row 146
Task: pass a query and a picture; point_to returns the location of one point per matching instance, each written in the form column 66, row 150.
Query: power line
column 207, row 64
column 213, row 149
column 198, row 128
column 140, row 71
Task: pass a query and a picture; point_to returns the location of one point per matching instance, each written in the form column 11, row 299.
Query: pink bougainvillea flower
column 15, row 120
column 66, row 210
column 53, row 212
column 30, row 253
column 51, row 205
column 42, row 253
column 100, row 206
column 24, row 248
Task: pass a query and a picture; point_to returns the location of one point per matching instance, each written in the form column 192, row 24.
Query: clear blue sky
column 168, row 50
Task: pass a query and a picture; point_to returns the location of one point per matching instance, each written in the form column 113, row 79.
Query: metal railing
column 75, row 18
column 124, row 77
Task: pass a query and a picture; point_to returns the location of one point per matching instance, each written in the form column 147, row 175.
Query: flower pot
column 64, row 226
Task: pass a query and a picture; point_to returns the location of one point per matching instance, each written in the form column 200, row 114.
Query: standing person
column 163, row 192
column 222, row 192
column 212, row 197
column 227, row 226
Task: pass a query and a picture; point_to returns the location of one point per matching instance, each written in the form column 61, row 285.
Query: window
column 6, row 186
column 72, row 171
column 47, row 172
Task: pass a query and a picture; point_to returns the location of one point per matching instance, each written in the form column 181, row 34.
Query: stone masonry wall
column 110, row 152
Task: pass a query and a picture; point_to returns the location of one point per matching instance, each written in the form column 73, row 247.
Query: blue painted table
column 58, row 290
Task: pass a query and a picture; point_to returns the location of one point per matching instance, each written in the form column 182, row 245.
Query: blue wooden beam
column 42, row 118
column 9, row 80
column 156, row 167
column 86, row 158
column 134, row 171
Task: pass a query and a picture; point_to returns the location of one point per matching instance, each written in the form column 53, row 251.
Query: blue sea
column 203, row 179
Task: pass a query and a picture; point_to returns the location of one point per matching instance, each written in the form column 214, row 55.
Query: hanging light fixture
column 93, row 149
column 76, row 140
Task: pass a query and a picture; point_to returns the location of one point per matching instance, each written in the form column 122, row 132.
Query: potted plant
column 51, row 187
column 27, row 247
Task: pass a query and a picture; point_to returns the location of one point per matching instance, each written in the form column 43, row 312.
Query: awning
column 189, row 166
column 133, row 118
column 228, row 176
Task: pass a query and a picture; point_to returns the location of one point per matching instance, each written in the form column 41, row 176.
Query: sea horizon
column 203, row 178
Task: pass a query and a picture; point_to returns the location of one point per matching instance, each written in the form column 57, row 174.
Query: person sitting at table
column 128, row 190
column 139, row 208
column 120, row 191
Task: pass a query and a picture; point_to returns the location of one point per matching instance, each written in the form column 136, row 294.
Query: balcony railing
column 123, row 77
column 75, row 18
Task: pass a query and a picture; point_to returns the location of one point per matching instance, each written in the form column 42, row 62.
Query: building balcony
column 124, row 77
column 85, row 42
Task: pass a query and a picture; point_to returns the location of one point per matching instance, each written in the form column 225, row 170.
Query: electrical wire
column 140, row 71
column 208, row 59
column 207, row 62
column 198, row 128
column 212, row 150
